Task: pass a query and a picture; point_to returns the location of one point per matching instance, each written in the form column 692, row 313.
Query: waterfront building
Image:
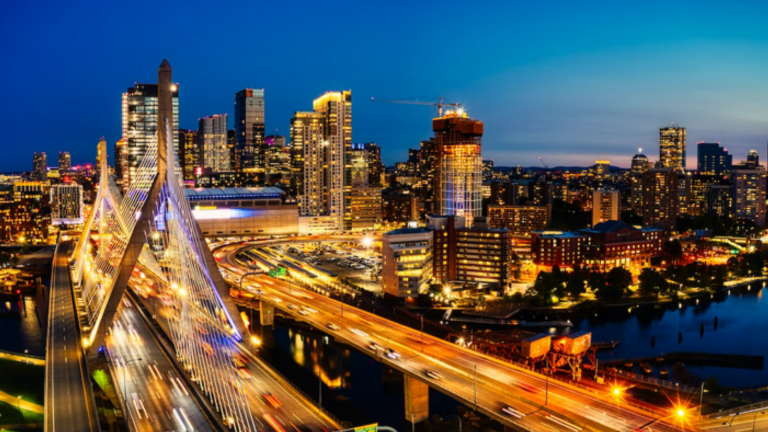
column 249, row 128
column 139, row 108
column 660, row 201
column 748, row 195
column 713, row 159
column 406, row 262
column 672, row 147
column 520, row 220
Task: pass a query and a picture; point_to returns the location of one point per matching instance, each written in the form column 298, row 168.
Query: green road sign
column 280, row 271
column 368, row 428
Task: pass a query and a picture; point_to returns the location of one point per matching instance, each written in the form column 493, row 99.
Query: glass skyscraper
column 713, row 159
column 140, row 125
column 672, row 147
column 249, row 128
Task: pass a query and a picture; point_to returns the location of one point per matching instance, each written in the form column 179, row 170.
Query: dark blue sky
column 567, row 81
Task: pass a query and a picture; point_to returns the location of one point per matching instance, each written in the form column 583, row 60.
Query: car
column 373, row 346
column 434, row 375
column 303, row 312
column 291, row 307
column 513, row 412
column 333, row 326
column 392, row 354
column 272, row 400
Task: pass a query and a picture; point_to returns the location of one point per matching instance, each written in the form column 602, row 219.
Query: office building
column 501, row 192
column 406, row 262
column 459, row 165
column 189, row 156
column 375, row 166
column 520, row 220
column 753, row 158
column 462, row 254
column 487, row 170
column 364, row 209
column 719, row 201
column 640, row 163
column 602, row 168
column 428, row 161
column 39, row 166
column 212, row 143
column 660, row 202
column 700, row 185
column 205, row 178
column 65, row 161
column 121, row 161
column 250, row 211
column 276, row 158
column 605, row 205
column 713, row 159
column 558, row 248
column 140, row 125
column 748, row 195
column 400, row 208
column 66, row 204
column 672, row 147
column 249, row 128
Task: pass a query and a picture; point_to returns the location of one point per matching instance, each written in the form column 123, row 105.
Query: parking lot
column 358, row 267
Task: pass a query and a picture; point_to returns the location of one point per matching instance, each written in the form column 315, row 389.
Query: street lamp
column 18, row 404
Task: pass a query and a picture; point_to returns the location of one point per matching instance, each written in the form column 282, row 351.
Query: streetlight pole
column 754, row 419
column 453, row 416
column 475, row 387
column 701, row 398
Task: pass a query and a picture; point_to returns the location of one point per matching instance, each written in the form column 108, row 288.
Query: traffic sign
column 278, row 272
column 368, row 428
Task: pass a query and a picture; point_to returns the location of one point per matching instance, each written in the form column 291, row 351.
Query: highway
column 275, row 406
column 157, row 399
column 507, row 393
column 69, row 404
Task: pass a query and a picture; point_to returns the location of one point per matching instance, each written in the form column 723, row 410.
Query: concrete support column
column 267, row 314
column 416, row 400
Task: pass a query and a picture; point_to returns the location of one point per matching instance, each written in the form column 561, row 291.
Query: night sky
column 563, row 80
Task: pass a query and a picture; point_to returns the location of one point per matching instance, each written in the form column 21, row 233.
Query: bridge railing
column 4, row 353
column 651, row 380
column 738, row 410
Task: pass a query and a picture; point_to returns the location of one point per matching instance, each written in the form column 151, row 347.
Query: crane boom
column 542, row 162
column 439, row 104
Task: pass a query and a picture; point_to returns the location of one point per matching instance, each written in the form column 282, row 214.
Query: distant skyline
column 559, row 80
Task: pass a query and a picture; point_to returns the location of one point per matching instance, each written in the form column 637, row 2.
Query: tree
column 576, row 282
column 540, row 294
column 617, row 282
column 596, row 281
column 652, row 283
column 674, row 250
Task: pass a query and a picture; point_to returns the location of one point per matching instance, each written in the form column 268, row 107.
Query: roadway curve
column 500, row 385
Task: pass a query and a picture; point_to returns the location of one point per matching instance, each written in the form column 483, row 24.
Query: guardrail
column 738, row 410
column 4, row 353
column 651, row 380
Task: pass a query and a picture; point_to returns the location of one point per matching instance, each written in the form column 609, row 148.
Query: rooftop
column 233, row 192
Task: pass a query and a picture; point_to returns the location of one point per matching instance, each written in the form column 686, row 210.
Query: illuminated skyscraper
column 189, row 155
column 375, row 167
column 748, row 195
column 249, row 128
column 660, row 203
column 40, row 166
column 713, row 159
column 460, row 165
column 336, row 109
column 212, row 143
column 605, row 205
column 640, row 162
column 121, row 161
column 140, row 124
column 65, row 161
column 66, row 204
column 672, row 147
column 308, row 163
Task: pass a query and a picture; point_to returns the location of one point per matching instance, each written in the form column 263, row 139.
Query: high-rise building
column 358, row 164
column 672, row 147
column 719, row 201
column 501, row 192
column 602, row 168
column 748, row 195
column 121, row 161
column 234, row 158
column 40, row 166
column 189, row 155
column 275, row 144
column 753, row 157
column 605, row 205
column 375, row 167
column 336, row 110
column 308, row 163
column 249, row 127
column 459, row 165
column 140, row 124
column 487, row 170
column 212, row 143
column 406, row 262
column 65, row 161
column 364, row 209
column 428, row 185
column 713, row 159
column 400, row 208
column 66, row 204
column 660, row 205
column 519, row 220
column 640, row 162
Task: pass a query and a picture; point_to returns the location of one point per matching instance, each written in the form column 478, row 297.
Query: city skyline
column 572, row 87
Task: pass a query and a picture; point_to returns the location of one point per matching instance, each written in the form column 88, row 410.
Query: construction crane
column 542, row 162
column 439, row 104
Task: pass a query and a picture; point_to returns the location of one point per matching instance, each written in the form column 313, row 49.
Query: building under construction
column 459, row 176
